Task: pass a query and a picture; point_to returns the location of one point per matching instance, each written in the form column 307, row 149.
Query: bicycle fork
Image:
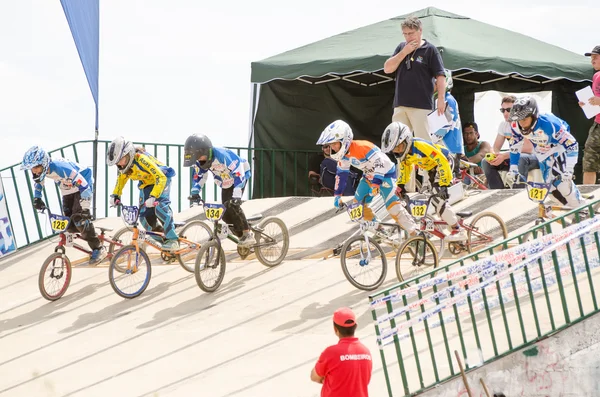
column 364, row 261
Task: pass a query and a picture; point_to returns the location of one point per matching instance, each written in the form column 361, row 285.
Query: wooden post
column 485, row 389
column 462, row 372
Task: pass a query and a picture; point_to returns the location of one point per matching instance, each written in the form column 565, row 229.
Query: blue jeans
column 527, row 162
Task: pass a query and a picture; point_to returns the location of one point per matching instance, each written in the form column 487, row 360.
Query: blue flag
column 83, row 17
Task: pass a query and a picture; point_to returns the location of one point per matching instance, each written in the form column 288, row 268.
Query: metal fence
column 488, row 304
column 274, row 173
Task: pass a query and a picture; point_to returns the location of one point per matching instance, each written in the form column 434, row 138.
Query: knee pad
column 84, row 226
column 565, row 188
column 234, row 206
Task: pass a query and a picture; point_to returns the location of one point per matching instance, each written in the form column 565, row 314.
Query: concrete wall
column 566, row 364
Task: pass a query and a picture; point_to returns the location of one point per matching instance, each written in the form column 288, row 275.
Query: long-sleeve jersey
column 368, row 158
column 451, row 134
column 227, row 167
column 427, row 156
column 70, row 178
column 551, row 135
column 148, row 171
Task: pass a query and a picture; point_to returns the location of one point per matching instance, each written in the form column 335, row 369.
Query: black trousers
column 79, row 224
column 234, row 215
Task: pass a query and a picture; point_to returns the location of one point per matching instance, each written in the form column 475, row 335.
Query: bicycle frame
column 189, row 245
column 64, row 241
column 464, row 173
column 232, row 237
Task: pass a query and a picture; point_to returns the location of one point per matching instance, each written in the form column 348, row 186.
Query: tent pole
column 95, row 184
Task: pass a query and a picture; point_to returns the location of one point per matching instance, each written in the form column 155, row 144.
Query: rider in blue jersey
column 230, row 172
column 76, row 186
column 553, row 145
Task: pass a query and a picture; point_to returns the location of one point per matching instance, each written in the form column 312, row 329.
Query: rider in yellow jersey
column 154, row 183
column 410, row 151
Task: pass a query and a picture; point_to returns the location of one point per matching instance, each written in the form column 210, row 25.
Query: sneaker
column 170, row 245
column 457, row 235
column 97, row 256
column 247, row 240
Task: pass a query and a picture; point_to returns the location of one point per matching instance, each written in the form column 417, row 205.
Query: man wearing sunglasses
column 501, row 161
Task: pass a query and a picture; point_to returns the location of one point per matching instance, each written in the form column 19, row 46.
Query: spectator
column 451, row 134
column 591, row 152
column 322, row 171
column 501, row 162
column 344, row 369
column 416, row 63
column 475, row 150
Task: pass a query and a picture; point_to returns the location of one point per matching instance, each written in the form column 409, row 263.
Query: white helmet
column 118, row 149
column 395, row 134
column 338, row 131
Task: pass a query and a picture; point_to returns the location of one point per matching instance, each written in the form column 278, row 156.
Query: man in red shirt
column 591, row 153
column 344, row 369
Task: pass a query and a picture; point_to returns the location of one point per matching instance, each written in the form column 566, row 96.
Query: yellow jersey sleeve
column 403, row 173
column 121, row 181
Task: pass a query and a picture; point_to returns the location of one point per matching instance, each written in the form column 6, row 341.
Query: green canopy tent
column 297, row 93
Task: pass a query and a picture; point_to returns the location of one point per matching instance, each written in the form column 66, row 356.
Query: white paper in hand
column 437, row 121
column 584, row 96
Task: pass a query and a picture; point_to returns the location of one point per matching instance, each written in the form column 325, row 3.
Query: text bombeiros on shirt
column 355, row 357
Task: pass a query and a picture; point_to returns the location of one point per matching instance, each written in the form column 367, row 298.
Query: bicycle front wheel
column 55, row 276
column 273, row 241
column 210, row 266
column 120, row 239
column 364, row 264
column 486, row 229
column 416, row 256
column 136, row 274
column 198, row 233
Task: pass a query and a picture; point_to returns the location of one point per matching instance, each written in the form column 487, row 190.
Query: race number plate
column 429, row 225
column 537, row 191
column 214, row 212
column 69, row 239
column 355, row 211
column 130, row 214
column 418, row 208
column 59, row 223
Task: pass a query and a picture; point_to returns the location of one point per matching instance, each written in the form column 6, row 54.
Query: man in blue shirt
column 416, row 64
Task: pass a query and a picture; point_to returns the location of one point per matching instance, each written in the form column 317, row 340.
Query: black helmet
column 524, row 107
column 195, row 147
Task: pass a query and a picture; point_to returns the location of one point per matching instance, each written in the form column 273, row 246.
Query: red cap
column 344, row 317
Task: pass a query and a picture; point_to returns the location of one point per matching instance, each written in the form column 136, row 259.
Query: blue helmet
column 33, row 157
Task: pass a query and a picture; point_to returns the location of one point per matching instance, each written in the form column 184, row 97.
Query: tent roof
column 465, row 44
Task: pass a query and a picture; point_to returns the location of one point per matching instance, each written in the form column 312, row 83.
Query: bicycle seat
column 104, row 229
column 178, row 224
column 254, row 218
column 464, row 214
